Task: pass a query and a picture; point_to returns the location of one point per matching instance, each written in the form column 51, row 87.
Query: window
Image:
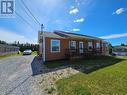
column 106, row 44
column 55, row 45
column 81, row 47
column 97, row 45
column 90, row 45
column 73, row 44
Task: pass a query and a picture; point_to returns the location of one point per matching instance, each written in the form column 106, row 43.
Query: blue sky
column 102, row 18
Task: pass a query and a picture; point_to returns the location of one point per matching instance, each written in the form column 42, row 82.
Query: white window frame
column 71, row 45
column 98, row 45
column 81, row 49
column 52, row 45
column 90, row 44
column 81, row 42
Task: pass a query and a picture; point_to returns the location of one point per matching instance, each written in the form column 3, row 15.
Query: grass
column 9, row 55
column 108, row 76
column 88, row 65
column 15, row 54
column 55, row 64
column 34, row 53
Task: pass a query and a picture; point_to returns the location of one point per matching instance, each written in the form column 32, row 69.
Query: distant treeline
column 33, row 47
column 2, row 42
column 123, row 44
column 22, row 47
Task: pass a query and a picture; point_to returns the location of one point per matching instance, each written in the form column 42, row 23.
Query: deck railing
column 83, row 52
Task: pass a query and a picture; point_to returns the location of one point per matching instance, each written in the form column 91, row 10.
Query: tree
column 3, row 42
column 110, row 48
column 122, row 44
column 18, row 43
column 22, row 47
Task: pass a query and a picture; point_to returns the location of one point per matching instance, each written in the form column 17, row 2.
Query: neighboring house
column 61, row 45
column 6, row 49
column 119, row 50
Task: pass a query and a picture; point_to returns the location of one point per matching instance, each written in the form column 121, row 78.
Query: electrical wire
column 34, row 18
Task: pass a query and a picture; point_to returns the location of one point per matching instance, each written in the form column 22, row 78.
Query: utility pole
column 43, row 43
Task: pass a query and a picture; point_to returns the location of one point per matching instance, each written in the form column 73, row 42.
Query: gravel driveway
column 16, row 76
column 25, row 75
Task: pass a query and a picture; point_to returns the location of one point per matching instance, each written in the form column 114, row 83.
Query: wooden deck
column 81, row 53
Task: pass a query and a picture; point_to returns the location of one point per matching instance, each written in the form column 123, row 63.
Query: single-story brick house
column 60, row 45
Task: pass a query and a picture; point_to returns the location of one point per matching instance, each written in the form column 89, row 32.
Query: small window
column 73, row 44
column 97, row 45
column 55, row 45
column 90, row 45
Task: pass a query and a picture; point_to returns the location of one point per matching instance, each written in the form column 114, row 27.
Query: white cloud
column 10, row 37
column 118, row 11
column 76, row 29
column 74, row 11
column 79, row 20
column 72, row 7
column 114, row 36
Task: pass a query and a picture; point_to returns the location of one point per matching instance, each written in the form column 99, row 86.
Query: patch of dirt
column 47, row 81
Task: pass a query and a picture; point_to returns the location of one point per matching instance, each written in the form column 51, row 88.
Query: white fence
column 6, row 49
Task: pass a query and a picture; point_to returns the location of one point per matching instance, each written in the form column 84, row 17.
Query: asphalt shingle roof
column 75, row 35
column 62, row 34
column 52, row 35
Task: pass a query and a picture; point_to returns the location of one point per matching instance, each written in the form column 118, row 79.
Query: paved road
column 16, row 76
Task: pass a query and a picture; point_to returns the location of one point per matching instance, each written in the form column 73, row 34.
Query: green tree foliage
column 3, row 42
column 33, row 47
column 22, row 47
column 122, row 44
column 110, row 48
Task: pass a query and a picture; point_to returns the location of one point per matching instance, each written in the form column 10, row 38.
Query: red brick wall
column 64, row 44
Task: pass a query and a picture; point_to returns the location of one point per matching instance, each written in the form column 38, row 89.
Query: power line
column 35, row 19
column 24, row 20
column 28, row 14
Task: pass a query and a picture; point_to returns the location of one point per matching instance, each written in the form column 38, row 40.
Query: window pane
column 90, row 45
column 55, row 45
column 73, row 45
column 98, row 45
column 55, row 48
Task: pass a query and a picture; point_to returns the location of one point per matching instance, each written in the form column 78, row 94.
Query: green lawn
column 34, row 53
column 99, row 76
column 15, row 54
column 9, row 55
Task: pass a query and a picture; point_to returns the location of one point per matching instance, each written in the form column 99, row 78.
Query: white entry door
column 81, row 47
